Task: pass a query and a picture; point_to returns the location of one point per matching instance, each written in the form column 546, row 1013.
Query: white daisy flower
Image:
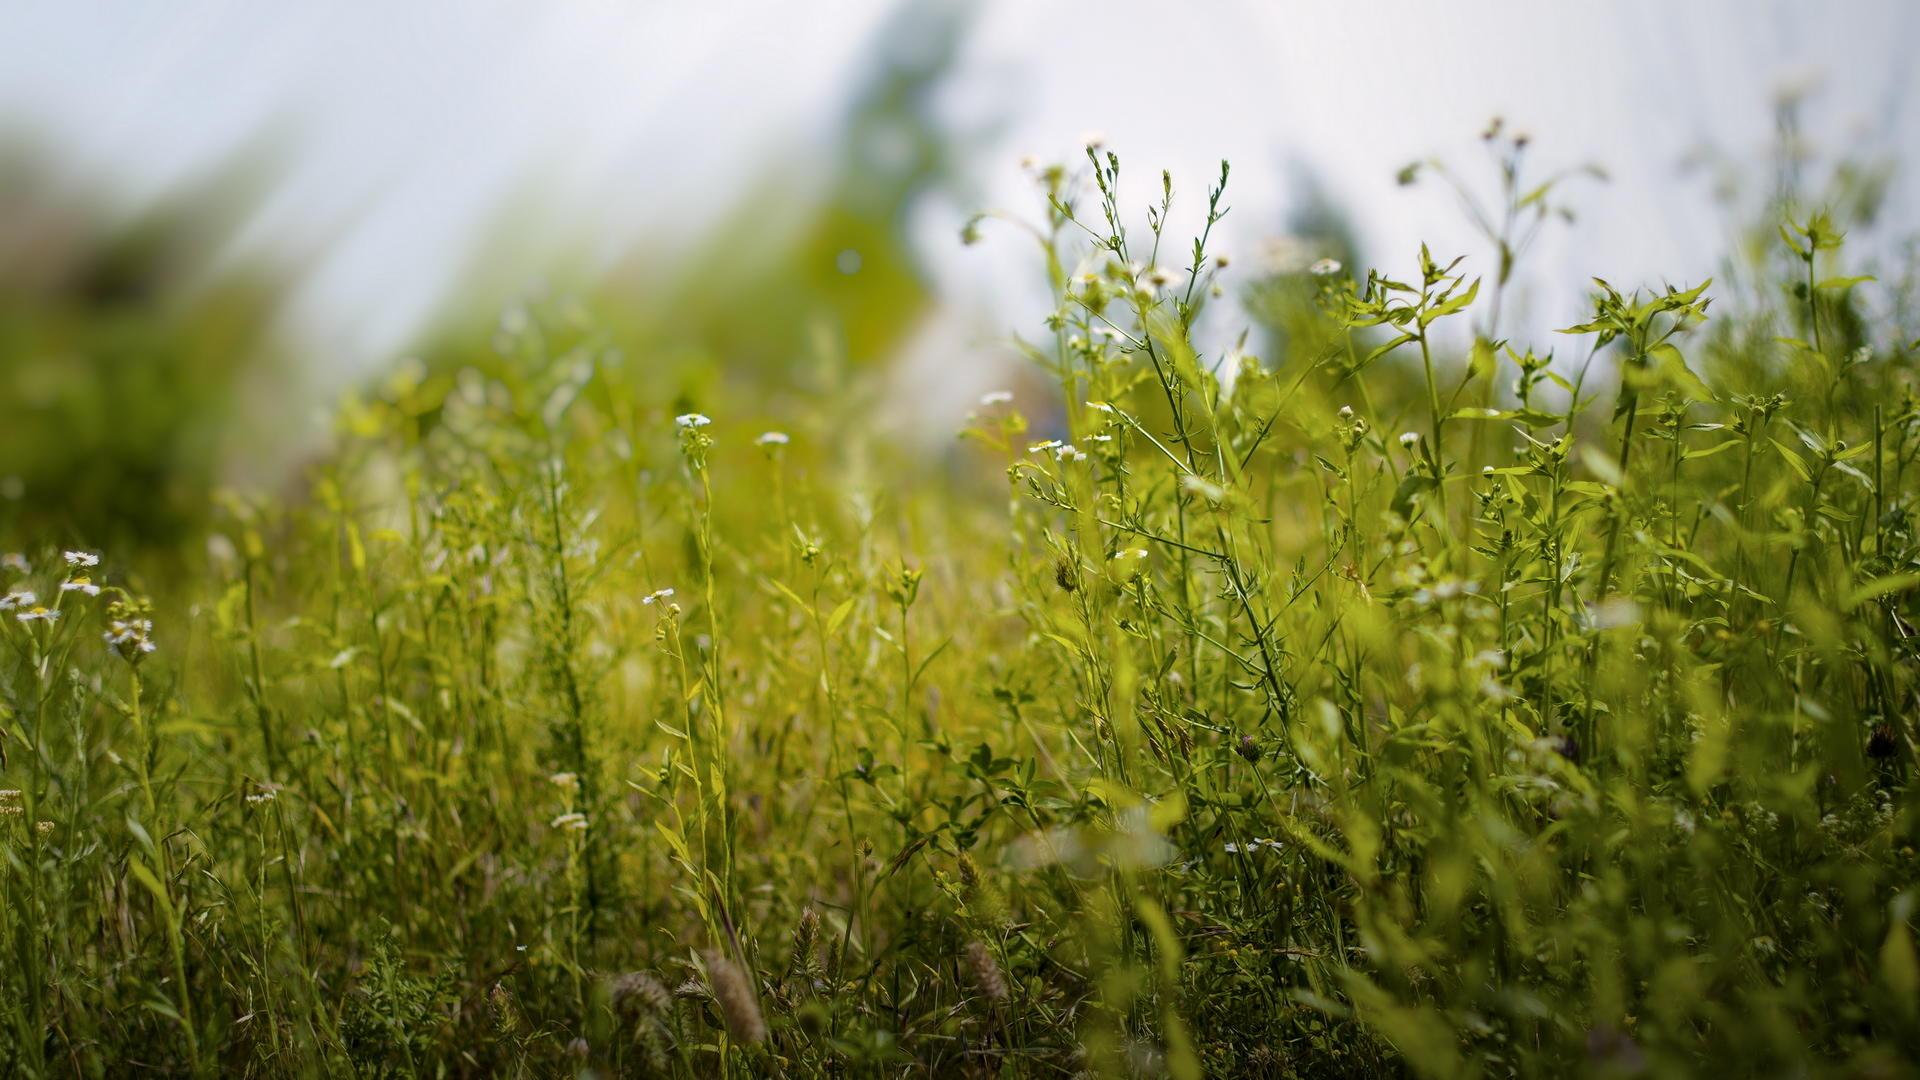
column 15, row 562
column 656, row 595
column 692, row 420
column 772, row 438
column 1324, row 268
column 996, row 397
column 1409, row 439
column 38, row 614
column 18, row 598
column 80, row 585
column 82, row 558
column 574, row 822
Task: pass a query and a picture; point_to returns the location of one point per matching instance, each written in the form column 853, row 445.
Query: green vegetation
column 1411, row 702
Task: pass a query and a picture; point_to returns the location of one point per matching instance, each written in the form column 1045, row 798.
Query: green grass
column 1569, row 732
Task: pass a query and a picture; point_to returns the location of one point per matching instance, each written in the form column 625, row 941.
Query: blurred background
column 217, row 217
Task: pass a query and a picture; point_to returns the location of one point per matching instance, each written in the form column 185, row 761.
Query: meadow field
column 1372, row 695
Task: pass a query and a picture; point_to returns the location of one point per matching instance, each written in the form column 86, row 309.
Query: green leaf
column 1844, row 283
column 1671, row 369
column 1880, row 586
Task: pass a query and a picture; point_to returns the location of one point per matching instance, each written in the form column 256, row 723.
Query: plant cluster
column 1414, row 702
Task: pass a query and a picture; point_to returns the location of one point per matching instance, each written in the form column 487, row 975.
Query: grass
column 557, row 726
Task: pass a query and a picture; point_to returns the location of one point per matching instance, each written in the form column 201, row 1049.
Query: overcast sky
column 408, row 126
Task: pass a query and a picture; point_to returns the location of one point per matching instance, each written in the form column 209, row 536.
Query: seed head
column 987, row 977
column 1881, row 743
column 734, row 995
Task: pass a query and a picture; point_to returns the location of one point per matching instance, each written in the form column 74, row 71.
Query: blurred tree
column 126, row 352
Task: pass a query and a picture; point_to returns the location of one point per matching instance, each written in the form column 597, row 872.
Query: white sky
column 408, row 126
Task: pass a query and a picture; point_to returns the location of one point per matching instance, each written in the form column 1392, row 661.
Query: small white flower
column 82, row 558
column 574, row 822
column 15, row 562
column 1160, row 277
column 38, row 614
column 259, row 797
column 1409, row 439
column 691, row 420
column 1045, row 447
column 566, row 780
column 1486, row 470
column 80, row 585
column 772, row 438
column 1324, row 268
column 1093, row 140
column 134, row 634
column 18, row 598
column 1222, row 260
column 1100, row 406
column 1346, row 412
column 657, row 595
column 996, row 397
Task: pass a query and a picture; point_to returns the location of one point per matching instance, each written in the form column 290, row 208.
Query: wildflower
column 265, row 795
column 1160, row 277
column 80, row 584
column 691, row 420
column 11, row 811
column 1324, row 268
column 1093, row 140
column 566, row 780
column 573, row 821
column 734, row 994
column 1222, row 260
column 1248, row 748
column 8, row 795
column 127, row 635
column 1254, row 844
column 986, row 974
column 1100, row 406
column 18, row 598
column 996, row 397
column 1409, row 439
column 1046, row 446
column 15, row 562
column 37, row 613
column 772, row 438
column 656, row 595
column 1346, row 412
column 82, row 558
